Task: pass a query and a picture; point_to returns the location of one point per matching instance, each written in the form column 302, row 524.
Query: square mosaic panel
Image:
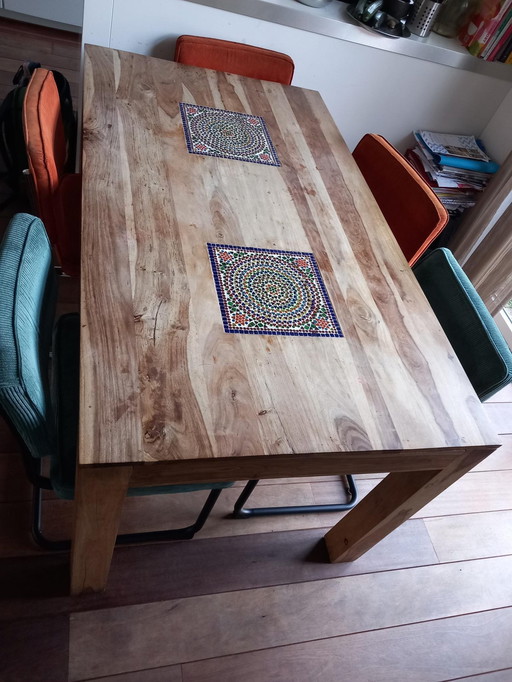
column 266, row 291
column 228, row 134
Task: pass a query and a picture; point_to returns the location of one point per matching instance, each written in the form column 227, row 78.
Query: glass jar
column 453, row 15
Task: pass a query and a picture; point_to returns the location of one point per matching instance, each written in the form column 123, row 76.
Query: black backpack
column 12, row 141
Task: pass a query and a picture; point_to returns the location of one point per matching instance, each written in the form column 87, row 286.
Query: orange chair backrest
column 243, row 60
column 412, row 210
column 45, row 142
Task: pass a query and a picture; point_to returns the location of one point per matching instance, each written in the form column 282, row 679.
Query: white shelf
column 333, row 21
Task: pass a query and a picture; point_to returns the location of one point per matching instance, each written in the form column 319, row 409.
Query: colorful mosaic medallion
column 216, row 132
column 263, row 291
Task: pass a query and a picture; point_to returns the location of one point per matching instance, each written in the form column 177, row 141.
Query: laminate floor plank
column 15, row 523
column 498, row 676
column 52, row 48
column 14, row 485
column 149, row 573
column 503, row 396
column 500, row 415
column 471, row 536
column 477, row 491
column 435, row 651
column 172, row 674
column 474, row 493
column 19, row 53
column 34, row 649
column 118, row 640
column 160, row 512
column 499, row 459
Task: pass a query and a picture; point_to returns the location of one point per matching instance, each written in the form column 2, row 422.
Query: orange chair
column 57, row 193
column 411, row 208
column 244, row 60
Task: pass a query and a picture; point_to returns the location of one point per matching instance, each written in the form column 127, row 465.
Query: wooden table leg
column 395, row 499
column 99, row 496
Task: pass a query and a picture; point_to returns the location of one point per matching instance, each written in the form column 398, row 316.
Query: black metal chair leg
column 37, row 534
column 240, row 512
column 186, row 533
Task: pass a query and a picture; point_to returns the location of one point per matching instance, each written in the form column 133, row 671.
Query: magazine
column 446, row 144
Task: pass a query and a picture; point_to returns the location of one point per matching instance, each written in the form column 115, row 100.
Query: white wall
column 366, row 90
column 498, row 132
column 497, row 138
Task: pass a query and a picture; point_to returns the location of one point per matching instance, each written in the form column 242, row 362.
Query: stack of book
column 488, row 33
column 456, row 167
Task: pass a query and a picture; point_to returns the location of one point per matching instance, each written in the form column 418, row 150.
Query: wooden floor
column 255, row 600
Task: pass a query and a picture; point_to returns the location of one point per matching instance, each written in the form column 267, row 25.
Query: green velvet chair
column 473, row 334
column 44, row 412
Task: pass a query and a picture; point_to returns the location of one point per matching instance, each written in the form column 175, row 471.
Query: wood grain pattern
column 35, row 649
column 473, row 494
column 438, row 651
column 39, row 585
column 167, row 674
column 99, row 498
column 53, row 48
column 277, row 616
column 394, row 500
column 178, row 387
column 456, row 538
column 463, row 647
column 182, row 400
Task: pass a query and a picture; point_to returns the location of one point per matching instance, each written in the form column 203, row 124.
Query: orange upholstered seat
column 243, row 60
column 412, row 210
column 57, row 193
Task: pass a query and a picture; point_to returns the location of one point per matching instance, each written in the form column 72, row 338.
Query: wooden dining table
column 246, row 312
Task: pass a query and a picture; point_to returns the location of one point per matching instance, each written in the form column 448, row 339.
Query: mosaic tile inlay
column 228, row 134
column 265, row 291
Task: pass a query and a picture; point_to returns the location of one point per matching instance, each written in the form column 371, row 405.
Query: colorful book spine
column 505, row 51
column 506, row 37
column 490, row 17
column 500, row 36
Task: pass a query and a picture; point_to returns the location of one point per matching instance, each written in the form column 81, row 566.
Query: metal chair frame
column 40, row 483
column 240, row 512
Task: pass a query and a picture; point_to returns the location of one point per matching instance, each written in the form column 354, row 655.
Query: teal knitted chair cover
column 46, row 420
column 27, row 308
column 473, row 334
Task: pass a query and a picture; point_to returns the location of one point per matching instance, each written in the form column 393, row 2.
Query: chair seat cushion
column 66, row 381
column 470, row 328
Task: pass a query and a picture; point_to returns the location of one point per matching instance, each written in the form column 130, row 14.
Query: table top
column 177, row 362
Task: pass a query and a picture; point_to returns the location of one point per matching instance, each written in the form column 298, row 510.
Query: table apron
column 284, row 466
